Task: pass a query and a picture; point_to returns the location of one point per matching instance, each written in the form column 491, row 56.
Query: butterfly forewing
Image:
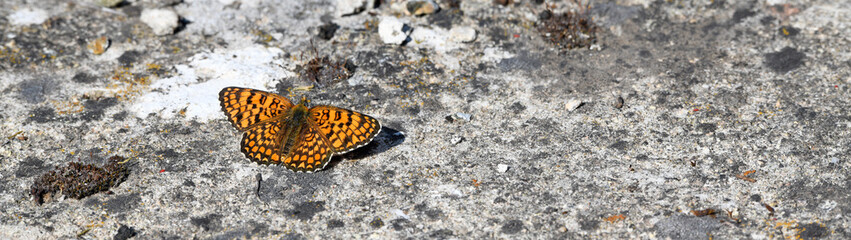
column 345, row 130
column 248, row 107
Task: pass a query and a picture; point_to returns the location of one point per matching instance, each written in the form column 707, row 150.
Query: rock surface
column 735, row 126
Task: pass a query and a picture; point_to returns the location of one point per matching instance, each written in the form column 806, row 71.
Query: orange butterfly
column 301, row 138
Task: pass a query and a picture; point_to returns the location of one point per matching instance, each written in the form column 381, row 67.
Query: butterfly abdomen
column 295, row 123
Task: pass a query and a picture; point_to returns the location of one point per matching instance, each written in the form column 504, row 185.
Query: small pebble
column 595, row 47
column 503, row 2
column 502, row 168
column 161, row 21
column 459, row 116
column 573, row 104
column 98, row 46
column 455, row 140
column 462, row 34
column 350, row 7
column 393, row 31
column 108, row 3
column 618, row 102
column 421, row 7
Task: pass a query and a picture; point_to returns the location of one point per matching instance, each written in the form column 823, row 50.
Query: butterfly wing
column 309, row 153
column 262, row 144
column 246, row 108
column 344, row 129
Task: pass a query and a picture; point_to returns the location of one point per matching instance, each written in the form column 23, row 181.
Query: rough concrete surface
column 734, row 120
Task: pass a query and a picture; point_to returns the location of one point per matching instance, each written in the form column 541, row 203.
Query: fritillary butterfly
column 302, row 139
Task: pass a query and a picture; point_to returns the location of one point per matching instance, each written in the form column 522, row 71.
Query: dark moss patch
column 335, row 223
column 82, row 77
column 517, row 108
column 400, row 224
column 741, row 14
column 589, row 224
column 787, row 59
column 707, row 127
column 512, row 227
column 124, row 232
column 79, row 180
column 123, row 203
column 376, row 223
column 29, row 167
column 814, row 231
column 445, row 19
column 327, row 30
column 210, row 222
column 128, row 58
column 35, row 90
column 306, row 210
column 120, row 116
column 441, row 234
column 94, row 108
column 619, row 145
column 788, row 31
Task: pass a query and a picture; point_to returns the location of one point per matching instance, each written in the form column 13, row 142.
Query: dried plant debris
column 324, row 71
column 568, row 30
column 79, row 180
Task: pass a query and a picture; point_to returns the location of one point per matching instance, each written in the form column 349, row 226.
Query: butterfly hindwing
column 262, row 143
column 310, row 153
column 344, row 129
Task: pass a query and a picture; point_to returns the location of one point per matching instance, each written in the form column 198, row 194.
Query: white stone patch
column 196, row 86
column 393, row 31
column 28, row 16
column 400, row 214
column 462, row 34
column 572, row 104
column 502, row 168
column 495, row 54
column 162, row 21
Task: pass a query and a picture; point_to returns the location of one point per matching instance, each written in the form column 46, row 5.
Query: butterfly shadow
column 386, row 139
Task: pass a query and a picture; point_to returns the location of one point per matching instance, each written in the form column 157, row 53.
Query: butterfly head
column 303, row 101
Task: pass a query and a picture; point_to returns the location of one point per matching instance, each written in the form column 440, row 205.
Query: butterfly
column 302, row 139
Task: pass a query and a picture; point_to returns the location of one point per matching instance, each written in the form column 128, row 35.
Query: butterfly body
column 299, row 137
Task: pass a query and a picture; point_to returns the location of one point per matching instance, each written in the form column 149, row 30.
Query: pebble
column 421, row 7
column 502, row 168
column 459, row 116
column 573, row 104
column 462, row 34
column 161, row 21
column 618, row 102
column 99, row 45
column 108, row 3
column 455, row 140
column 350, row 7
column 393, row 31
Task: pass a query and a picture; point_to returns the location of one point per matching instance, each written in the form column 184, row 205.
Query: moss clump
column 568, row 30
column 323, row 70
column 79, row 180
